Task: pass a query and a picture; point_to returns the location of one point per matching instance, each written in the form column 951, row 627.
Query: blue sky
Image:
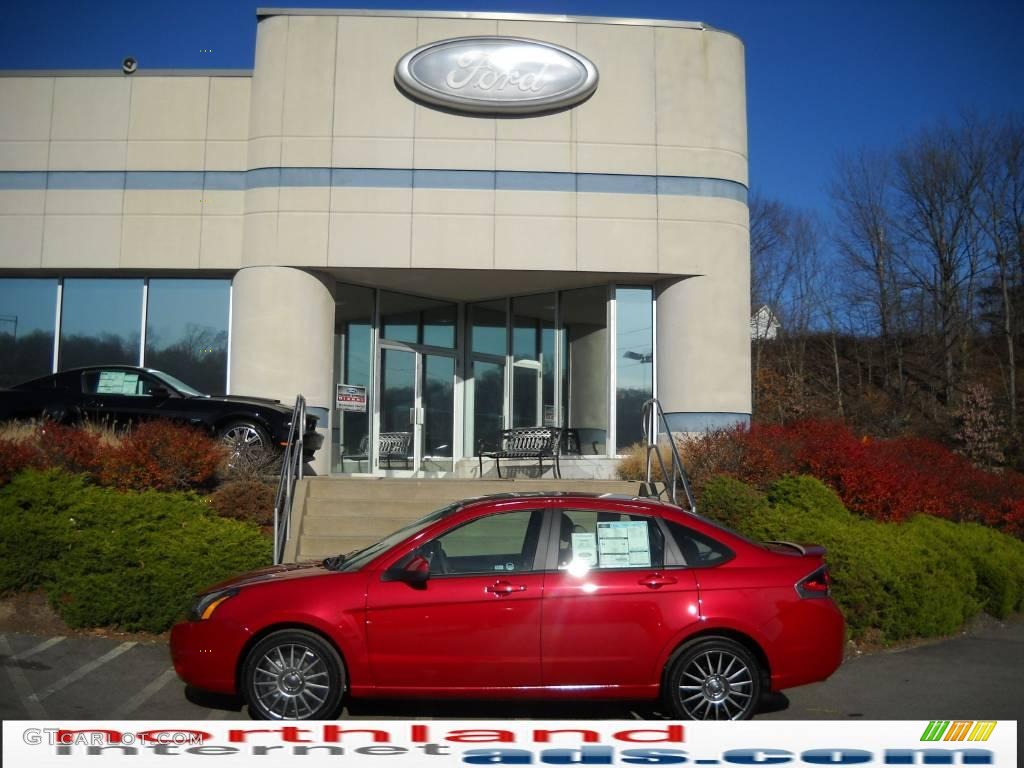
column 823, row 76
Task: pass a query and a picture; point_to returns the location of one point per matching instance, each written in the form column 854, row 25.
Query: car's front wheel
column 293, row 674
column 244, row 439
column 713, row 678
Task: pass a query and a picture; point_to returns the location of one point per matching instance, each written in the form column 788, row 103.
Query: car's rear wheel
column 713, row 678
column 245, row 439
column 293, row 674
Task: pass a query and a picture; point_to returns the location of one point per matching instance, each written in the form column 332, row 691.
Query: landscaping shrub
column 16, row 455
column 132, row 560
column 250, row 500
column 891, row 580
column 881, row 479
column 70, row 448
column 164, row 456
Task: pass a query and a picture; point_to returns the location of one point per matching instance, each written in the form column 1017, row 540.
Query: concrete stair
column 332, row 515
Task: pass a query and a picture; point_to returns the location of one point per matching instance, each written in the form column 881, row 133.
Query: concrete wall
column 671, row 102
column 114, row 172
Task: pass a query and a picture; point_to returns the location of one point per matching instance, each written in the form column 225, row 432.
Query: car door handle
column 504, row 588
column 657, row 580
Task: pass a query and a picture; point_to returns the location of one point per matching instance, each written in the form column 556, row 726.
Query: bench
column 391, row 446
column 524, row 443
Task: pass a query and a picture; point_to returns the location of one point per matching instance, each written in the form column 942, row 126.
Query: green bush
column 131, row 560
column 997, row 560
column 892, row 581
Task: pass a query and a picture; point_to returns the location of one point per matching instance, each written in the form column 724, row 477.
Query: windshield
column 356, row 561
column 177, row 384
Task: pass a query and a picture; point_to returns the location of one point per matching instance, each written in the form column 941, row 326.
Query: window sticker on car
column 623, row 544
column 584, row 549
column 117, row 383
column 499, row 567
column 510, row 566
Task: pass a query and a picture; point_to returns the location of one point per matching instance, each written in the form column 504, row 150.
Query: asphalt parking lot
column 977, row 675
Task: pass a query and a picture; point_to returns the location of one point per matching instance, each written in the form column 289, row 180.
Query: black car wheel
column 713, row 678
column 293, row 675
column 245, row 439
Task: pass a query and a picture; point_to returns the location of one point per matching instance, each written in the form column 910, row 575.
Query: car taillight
column 818, row 584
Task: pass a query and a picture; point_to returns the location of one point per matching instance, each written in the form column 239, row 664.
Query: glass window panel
column 525, row 396
column 417, row 320
column 353, row 320
column 488, row 332
column 187, row 331
column 533, row 342
column 488, row 394
column 27, row 314
column 439, row 326
column 101, row 321
column 634, row 366
column 438, row 400
column 495, row 544
column 585, row 384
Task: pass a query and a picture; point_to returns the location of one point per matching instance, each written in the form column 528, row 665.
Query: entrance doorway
column 416, row 415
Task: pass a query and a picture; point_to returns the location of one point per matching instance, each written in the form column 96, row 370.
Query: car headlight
column 204, row 605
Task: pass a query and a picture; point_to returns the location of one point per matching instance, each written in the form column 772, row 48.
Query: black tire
column 712, row 678
column 245, row 438
column 293, row 674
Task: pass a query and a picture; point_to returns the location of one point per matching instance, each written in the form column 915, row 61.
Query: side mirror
column 160, row 392
column 416, row 571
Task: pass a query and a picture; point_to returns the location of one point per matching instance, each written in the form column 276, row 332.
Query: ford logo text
column 496, row 76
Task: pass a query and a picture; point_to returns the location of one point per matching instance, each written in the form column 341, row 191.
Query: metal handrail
column 291, row 473
column 653, row 420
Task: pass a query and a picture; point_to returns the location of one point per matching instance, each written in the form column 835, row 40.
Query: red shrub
column 881, row 479
column 75, row 450
column 163, row 456
column 16, row 455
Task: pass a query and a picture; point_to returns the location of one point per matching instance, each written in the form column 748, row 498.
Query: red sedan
column 530, row 596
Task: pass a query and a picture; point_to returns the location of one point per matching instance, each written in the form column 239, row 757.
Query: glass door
column 396, row 438
column 417, row 411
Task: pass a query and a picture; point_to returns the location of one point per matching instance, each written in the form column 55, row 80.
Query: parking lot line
column 142, row 696
column 21, row 685
column 39, row 648
column 82, row 671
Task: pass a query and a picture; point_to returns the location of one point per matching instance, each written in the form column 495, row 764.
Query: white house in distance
column 764, row 325
column 543, row 223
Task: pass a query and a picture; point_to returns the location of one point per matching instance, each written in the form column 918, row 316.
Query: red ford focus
column 524, row 595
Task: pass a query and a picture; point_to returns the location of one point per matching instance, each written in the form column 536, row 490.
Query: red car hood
column 284, row 572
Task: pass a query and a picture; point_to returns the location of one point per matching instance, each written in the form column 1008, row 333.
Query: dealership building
column 437, row 224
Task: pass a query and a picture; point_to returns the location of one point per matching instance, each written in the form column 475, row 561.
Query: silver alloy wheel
column 716, row 685
column 291, row 681
column 243, row 439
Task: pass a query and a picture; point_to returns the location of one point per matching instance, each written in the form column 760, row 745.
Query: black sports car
column 124, row 394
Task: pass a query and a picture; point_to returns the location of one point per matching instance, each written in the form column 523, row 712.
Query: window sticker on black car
column 117, row 383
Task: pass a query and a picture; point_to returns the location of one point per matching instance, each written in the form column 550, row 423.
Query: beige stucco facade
column 316, row 165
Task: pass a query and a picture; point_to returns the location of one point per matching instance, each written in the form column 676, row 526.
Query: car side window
column 502, row 543
column 698, row 550
column 117, row 383
column 604, row 540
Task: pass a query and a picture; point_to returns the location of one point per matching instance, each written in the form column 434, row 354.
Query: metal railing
column 291, row 473
column 654, row 422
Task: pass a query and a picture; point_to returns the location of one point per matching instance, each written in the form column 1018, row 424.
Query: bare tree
column 861, row 192
column 937, row 177
column 770, row 269
column 1000, row 214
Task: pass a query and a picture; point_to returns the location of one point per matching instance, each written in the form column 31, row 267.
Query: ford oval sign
column 496, row 75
